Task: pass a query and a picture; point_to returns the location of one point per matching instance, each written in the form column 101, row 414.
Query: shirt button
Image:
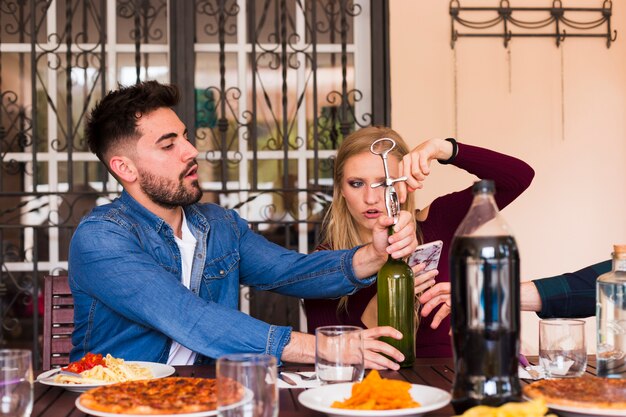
column 199, row 256
column 221, row 272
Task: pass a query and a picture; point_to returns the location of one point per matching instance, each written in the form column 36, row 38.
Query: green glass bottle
column 396, row 298
column 396, row 305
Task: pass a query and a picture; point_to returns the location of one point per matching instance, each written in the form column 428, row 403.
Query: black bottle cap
column 484, row 186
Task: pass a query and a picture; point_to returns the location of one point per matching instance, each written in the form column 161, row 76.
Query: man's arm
column 530, row 298
column 301, row 348
column 572, row 294
column 109, row 264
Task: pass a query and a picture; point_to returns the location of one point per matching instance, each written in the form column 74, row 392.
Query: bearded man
column 155, row 275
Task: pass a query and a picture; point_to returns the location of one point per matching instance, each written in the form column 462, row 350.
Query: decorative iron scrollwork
column 557, row 17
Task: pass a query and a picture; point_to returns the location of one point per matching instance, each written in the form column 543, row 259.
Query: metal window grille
column 271, row 87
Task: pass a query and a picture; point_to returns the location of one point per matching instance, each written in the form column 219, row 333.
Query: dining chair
column 58, row 321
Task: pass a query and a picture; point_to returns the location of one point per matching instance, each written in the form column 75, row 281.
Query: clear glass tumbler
column 16, row 383
column 562, row 347
column 246, row 386
column 339, row 354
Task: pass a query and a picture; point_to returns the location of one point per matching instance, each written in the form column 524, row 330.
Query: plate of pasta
column 108, row 370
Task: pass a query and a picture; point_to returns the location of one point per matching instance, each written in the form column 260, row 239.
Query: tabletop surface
column 55, row 402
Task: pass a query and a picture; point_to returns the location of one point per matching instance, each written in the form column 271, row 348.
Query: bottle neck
column 619, row 262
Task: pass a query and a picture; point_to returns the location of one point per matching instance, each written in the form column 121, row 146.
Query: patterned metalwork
column 557, row 17
column 298, row 103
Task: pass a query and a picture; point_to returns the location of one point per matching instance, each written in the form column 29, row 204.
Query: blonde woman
column 356, row 206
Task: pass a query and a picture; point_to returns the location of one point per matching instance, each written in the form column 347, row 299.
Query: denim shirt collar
column 195, row 219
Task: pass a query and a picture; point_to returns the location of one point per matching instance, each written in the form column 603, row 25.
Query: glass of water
column 562, row 348
column 246, row 385
column 339, row 354
column 16, row 383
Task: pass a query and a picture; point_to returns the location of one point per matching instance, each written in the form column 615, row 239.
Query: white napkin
column 298, row 380
column 524, row 374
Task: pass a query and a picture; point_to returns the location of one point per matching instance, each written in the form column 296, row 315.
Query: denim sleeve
column 109, row 264
column 571, row 294
column 321, row 274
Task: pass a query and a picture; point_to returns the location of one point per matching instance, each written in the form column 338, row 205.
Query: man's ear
column 124, row 168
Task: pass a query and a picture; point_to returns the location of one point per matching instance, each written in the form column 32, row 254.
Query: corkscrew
column 382, row 147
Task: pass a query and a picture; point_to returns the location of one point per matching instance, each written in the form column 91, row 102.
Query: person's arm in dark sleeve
column 572, row 294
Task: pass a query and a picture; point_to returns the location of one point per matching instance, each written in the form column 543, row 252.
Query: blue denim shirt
column 125, row 276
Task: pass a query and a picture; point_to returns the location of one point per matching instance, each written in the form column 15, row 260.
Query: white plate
column 321, row 398
column 103, row 414
column 159, row 370
column 569, row 411
column 247, row 397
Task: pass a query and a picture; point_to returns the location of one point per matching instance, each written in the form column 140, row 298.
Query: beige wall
column 574, row 137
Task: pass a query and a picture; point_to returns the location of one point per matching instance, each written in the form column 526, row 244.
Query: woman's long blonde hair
column 340, row 228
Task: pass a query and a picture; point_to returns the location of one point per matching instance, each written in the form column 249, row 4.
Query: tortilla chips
column 376, row 393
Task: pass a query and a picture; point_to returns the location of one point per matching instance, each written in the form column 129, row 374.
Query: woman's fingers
column 424, row 280
column 438, row 294
column 441, row 314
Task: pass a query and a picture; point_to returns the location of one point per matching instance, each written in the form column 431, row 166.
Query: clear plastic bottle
column 484, row 272
column 611, row 318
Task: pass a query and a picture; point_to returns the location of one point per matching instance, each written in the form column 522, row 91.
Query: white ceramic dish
column 569, row 411
column 320, row 399
column 103, row 414
column 159, row 370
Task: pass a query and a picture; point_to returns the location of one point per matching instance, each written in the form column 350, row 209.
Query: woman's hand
column 416, row 164
column 423, row 280
column 374, row 350
column 438, row 294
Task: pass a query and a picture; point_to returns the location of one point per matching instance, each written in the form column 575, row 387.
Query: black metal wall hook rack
column 525, row 22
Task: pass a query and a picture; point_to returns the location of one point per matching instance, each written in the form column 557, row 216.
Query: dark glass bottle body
column 396, row 305
column 484, row 271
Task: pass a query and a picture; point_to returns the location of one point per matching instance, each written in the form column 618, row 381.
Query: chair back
column 58, row 321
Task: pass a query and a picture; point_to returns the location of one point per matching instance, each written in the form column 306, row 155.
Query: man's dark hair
column 114, row 119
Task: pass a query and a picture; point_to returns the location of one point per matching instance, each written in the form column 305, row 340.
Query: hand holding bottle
column 401, row 243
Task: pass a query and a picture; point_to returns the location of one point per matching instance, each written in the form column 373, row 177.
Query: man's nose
column 189, row 151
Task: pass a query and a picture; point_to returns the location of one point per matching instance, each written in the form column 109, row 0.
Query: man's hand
column 374, row 348
column 371, row 257
column 403, row 241
column 301, row 348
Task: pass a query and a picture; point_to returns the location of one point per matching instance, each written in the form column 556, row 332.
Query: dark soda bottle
column 484, row 272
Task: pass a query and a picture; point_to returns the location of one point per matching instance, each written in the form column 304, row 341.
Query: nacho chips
column 376, row 393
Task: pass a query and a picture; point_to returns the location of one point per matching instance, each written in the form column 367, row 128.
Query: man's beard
column 167, row 193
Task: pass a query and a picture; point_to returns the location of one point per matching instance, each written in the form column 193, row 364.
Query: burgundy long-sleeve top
column 511, row 175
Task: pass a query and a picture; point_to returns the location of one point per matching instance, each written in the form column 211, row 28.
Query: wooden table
column 55, row 402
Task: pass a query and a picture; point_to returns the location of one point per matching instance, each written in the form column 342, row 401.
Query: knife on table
column 287, row 379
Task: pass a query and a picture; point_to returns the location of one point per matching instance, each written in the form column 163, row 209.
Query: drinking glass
column 339, row 354
column 257, row 391
column 562, row 349
column 16, row 383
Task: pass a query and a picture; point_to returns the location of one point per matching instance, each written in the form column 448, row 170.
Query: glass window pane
column 153, row 66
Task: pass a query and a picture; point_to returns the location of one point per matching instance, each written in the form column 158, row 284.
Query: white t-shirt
column 179, row 354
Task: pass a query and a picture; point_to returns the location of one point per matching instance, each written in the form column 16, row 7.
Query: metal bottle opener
column 382, row 147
